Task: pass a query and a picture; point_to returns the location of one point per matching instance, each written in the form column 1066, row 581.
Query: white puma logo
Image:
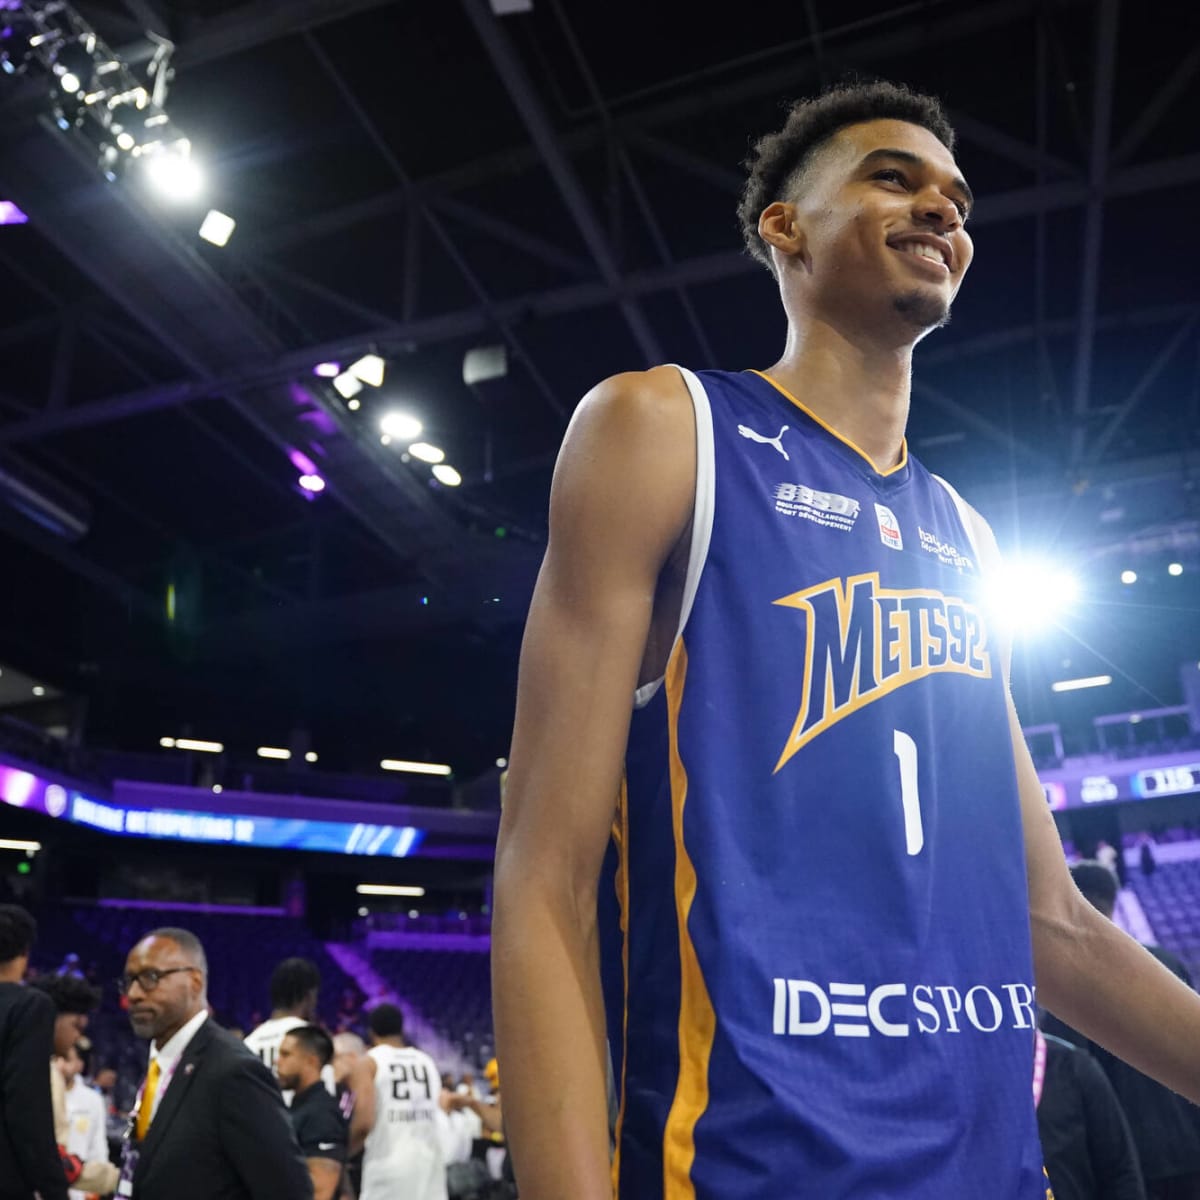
column 776, row 441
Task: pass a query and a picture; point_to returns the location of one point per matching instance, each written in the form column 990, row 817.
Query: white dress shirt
column 170, row 1054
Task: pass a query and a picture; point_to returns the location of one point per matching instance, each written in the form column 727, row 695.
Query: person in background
column 320, row 1127
column 87, row 1121
column 29, row 1160
column 209, row 1123
column 74, row 999
column 398, row 1119
column 348, row 1050
column 1086, row 1143
column 70, row 966
column 1165, row 1127
column 295, row 985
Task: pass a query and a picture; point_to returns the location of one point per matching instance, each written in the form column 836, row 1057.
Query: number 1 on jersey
column 914, row 831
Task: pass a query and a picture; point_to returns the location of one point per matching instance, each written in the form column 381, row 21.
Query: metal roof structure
column 421, row 179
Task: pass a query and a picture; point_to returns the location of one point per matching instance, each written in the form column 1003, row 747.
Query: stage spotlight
column 173, row 173
column 369, row 369
column 346, row 386
column 74, row 66
column 427, row 453
column 446, row 474
column 354, row 405
column 1129, row 577
column 10, row 214
column 484, row 363
column 1026, row 596
column 327, row 370
column 312, row 484
column 217, row 228
column 400, row 426
column 1175, row 569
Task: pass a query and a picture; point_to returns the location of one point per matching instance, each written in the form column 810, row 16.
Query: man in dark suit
column 29, row 1160
column 209, row 1123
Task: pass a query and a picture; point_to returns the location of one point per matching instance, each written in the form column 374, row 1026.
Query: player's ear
column 781, row 228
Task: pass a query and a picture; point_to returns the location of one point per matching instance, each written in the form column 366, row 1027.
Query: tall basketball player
column 826, row 836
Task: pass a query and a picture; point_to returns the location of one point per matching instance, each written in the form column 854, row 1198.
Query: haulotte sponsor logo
column 804, row 1008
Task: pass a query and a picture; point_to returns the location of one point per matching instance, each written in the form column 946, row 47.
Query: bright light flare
column 1075, row 685
column 276, row 752
column 1027, row 596
column 399, row 426
column 388, row 889
column 174, row 175
column 1128, row 577
column 312, row 484
column 447, row 475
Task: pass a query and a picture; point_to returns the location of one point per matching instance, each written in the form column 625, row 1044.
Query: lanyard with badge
column 131, row 1149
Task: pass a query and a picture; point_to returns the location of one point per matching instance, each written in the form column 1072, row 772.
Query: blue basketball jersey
column 815, row 931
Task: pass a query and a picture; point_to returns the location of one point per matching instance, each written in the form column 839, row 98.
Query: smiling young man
column 819, row 841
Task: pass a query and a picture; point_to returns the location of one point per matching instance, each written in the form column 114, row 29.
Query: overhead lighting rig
column 93, row 93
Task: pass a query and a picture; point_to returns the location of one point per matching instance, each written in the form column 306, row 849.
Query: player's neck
column 854, row 384
column 12, row 971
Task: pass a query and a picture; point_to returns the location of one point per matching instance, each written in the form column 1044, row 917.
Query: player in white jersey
column 398, row 1117
column 294, row 987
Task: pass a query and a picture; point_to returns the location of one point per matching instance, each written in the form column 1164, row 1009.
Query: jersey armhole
column 702, row 516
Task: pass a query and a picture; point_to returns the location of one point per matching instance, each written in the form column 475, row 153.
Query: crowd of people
column 289, row 1112
column 292, row 1110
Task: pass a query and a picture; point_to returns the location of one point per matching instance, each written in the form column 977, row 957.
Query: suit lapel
column 189, row 1065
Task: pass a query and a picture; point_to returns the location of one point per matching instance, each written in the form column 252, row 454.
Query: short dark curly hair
column 292, row 981
column 18, row 932
column 777, row 159
column 69, row 993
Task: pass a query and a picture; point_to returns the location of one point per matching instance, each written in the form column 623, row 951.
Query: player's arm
column 1089, row 973
column 362, row 1119
column 621, row 501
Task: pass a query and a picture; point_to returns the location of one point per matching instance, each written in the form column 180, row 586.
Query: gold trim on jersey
column 697, row 1022
column 830, row 429
column 620, row 836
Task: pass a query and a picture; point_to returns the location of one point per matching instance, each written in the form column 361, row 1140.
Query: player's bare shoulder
column 631, row 449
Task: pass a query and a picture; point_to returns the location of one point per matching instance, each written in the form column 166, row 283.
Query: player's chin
column 924, row 308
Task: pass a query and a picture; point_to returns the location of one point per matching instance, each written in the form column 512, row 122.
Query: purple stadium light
column 328, row 370
column 302, row 462
column 312, row 483
column 10, row 214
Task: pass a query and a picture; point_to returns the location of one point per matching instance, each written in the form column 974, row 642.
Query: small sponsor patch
column 823, row 508
column 948, row 555
column 889, row 527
